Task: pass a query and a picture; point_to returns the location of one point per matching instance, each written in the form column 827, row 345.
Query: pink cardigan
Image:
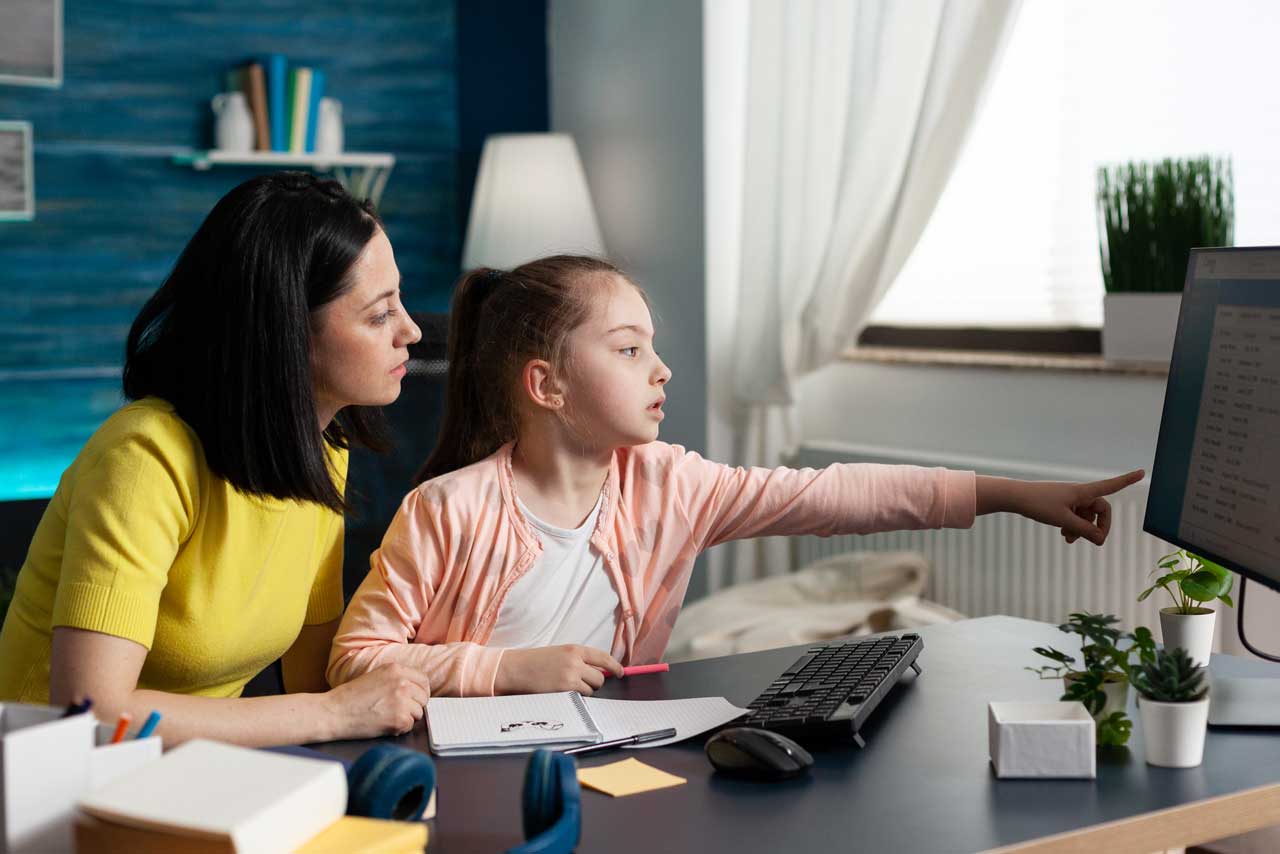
column 458, row 543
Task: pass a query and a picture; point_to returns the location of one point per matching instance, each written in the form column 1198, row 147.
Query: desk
column 922, row 784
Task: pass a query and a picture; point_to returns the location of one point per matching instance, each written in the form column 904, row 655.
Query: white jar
column 233, row 129
column 329, row 127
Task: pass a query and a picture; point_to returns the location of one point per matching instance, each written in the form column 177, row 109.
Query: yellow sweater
column 142, row 541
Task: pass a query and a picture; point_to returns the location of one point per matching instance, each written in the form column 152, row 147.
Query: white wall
column 626, row 81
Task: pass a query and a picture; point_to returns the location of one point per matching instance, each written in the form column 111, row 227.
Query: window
column 1013, row 240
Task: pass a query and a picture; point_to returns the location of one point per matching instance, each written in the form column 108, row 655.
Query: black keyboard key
column 799, row 665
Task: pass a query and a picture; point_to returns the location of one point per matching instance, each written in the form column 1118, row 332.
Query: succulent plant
column 1170, row 677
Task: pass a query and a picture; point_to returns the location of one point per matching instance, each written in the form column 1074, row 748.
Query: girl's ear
column 541, row 386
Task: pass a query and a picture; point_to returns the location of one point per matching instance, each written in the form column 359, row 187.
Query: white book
column 517, row 723
column 257, row 800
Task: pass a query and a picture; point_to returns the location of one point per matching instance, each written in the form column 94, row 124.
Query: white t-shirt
column 565, row 597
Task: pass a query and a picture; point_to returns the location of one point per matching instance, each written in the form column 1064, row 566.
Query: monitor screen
column 1215, row 483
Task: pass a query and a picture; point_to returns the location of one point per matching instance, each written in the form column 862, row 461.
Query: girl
column 550, row 526
column 197, row 536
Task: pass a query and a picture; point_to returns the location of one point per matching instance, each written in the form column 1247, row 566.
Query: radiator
column 1010, row 565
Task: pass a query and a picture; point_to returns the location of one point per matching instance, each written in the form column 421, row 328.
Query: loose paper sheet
column 619, row 718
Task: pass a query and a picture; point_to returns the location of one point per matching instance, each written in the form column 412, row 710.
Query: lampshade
column 531, row 200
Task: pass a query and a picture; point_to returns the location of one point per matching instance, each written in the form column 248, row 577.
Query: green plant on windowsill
column 1150, row 216
column 1104, row 662
column 1191, row 581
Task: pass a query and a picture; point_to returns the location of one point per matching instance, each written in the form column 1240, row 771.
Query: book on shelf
column 313, row 107
column 299, row 96
column 253, row 82
column 277, row 69
column 212, row 794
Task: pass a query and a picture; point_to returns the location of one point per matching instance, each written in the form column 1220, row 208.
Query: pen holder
column 44, row 771
column 109, row 761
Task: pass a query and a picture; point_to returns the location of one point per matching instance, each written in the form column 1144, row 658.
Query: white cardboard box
column 44, row 770
column 1041, row 740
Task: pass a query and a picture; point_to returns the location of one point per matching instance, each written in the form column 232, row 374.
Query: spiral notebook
column 460, row 726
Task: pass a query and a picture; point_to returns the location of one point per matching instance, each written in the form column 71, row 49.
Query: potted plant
column 1150, row 215
column 1101, row 680
column 1190, row 581
column 1174, row 703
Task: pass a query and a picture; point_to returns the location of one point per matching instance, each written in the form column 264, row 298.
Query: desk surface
column 923, row 783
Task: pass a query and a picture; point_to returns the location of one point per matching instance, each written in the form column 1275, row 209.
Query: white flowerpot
column 1173, row 733
column 1193, row 632
column 1117, row 694
column 1139, row 327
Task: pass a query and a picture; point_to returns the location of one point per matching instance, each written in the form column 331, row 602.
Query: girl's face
column 360, row 340
column 615, row 382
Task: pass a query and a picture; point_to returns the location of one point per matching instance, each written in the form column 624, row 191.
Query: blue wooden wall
column 113, row 211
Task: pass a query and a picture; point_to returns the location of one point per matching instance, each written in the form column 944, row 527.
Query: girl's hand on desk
column 570, row 667
column 1078, row 509
column 385, row 701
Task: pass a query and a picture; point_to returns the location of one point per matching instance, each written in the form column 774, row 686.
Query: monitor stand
column 1242, row 700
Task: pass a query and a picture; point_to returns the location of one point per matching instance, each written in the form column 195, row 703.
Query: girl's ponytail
column 498, row 322
column 470, row 429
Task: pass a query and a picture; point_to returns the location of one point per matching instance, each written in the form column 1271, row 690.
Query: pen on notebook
column 641, row 669
column 618, row 742
column 78, row 708
column 149, row 725
column 121, row 726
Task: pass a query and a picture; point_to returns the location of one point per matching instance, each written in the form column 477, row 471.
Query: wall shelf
column 363, row 173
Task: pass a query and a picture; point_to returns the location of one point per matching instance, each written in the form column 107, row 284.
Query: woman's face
column 360, row 341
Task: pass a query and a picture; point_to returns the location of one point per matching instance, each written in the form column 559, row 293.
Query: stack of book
column 284, row 102
column 211, row 798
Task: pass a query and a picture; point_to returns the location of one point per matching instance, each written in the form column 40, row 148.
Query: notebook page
column 619, row 718
column 507, row 721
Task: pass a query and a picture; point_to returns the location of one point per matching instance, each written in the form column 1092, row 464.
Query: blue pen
column 78, row 708
column 149, row 726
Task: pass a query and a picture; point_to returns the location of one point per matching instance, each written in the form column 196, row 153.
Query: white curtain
column 855, row 113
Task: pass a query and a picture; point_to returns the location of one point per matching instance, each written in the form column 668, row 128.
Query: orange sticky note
column 628, row 777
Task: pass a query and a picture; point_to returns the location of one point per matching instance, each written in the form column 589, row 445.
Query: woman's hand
column 554, row 668
column 1078, row 509
column 384, row 701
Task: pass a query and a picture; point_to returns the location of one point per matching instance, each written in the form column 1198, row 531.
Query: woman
column 197, row 536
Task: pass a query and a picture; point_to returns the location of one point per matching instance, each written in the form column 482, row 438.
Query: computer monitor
column 1215, row 482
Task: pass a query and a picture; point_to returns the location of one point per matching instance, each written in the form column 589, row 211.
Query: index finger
column 1099, row 488
column 603, row 660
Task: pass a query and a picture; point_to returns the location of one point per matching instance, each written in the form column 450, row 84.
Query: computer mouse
column 757, row 754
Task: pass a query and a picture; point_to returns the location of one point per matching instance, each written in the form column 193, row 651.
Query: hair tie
column 493, row 276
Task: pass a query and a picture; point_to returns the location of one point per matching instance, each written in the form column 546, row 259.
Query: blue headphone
column 552, row 805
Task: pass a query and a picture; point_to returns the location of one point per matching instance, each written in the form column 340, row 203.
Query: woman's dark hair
column 498, row 322
column 227, row 337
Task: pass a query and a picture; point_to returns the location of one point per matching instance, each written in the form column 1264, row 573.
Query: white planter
column 1192, row 632
column 1173, row 733
column 1117, row 694
column 1139, row 327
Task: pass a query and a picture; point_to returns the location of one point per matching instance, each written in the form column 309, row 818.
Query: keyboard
column 830, row 691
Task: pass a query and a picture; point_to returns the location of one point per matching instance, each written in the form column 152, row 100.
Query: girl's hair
column 227, row 337
column 498, row 322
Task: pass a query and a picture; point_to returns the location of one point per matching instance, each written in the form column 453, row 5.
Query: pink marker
column 642, row 669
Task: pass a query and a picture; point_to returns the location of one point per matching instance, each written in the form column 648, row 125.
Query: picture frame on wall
column 31, row 43
column 17, row 177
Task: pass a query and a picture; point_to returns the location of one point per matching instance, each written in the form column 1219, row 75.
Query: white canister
column 329, row 127
column 1192, row 632
column 233, row 128
column 1173, row 733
